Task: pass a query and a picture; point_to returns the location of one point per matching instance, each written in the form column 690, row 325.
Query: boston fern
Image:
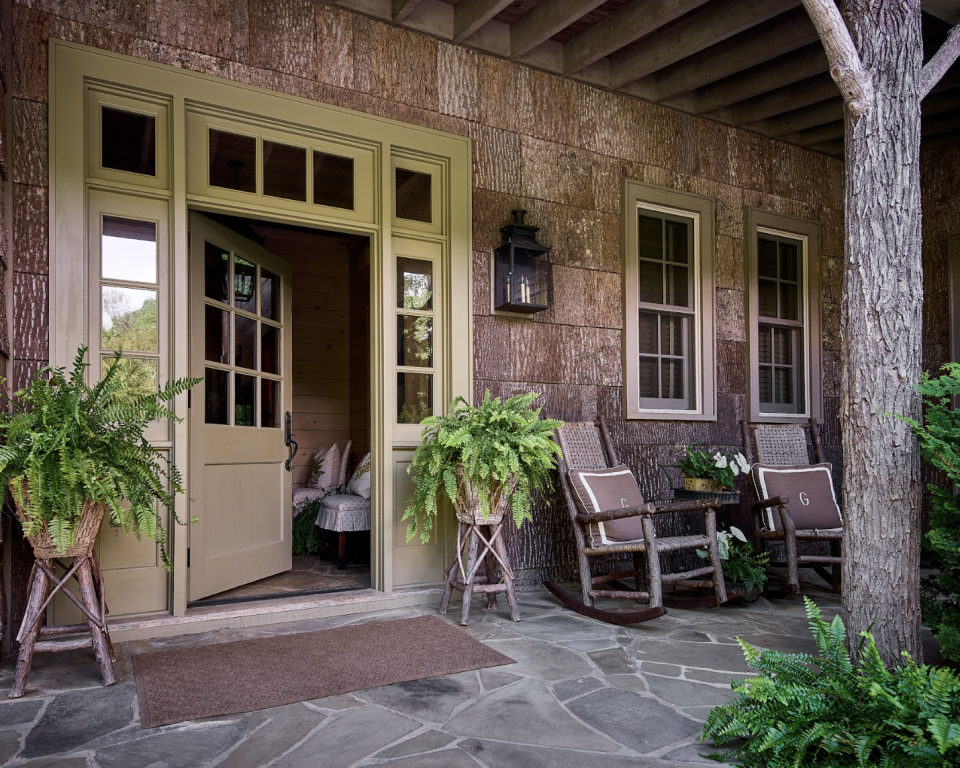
column 499, row 447
column 65, row 442
column 827, row 712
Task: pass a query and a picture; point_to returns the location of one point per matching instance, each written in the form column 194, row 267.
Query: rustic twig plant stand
column 45, row 584
column 480, row 543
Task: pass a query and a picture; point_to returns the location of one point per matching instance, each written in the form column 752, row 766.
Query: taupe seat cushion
column 344, row 512
column 600, row 490
column 813, row 504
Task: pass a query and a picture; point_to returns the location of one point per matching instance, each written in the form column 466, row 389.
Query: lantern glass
column 521, row 278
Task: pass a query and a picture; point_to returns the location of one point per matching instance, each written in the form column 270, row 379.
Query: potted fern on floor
column 72, row 454
column 486, row 461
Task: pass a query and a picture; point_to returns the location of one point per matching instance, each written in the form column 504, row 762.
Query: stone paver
column 581, row 694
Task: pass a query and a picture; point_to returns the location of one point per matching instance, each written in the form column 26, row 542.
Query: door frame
column 75, row 68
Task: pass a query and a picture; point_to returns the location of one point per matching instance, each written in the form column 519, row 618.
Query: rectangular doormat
column 242, row 676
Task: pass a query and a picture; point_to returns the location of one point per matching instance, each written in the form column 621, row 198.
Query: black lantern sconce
column 521, row 269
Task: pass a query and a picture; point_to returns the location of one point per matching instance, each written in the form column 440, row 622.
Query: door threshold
column 210, row 618
column 301, row 593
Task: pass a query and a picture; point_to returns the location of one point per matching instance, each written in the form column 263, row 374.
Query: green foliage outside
column 131, row 330
column 65, row 442
column 496, row 445
column 827, row 712
column 741, row 566
column 939, row 438
column 717, row 467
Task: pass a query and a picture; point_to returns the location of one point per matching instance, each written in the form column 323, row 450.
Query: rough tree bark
column 881, row 313
column 882, row 324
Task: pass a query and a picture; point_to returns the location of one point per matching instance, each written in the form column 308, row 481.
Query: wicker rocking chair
column 774, row 446
column 589, row 453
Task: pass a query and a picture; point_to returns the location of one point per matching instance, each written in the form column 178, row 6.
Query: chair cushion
column 813, row 504
column 325, row 468
column 344, row 512
column 360, row 481
column 600, row 490
column 304, row 495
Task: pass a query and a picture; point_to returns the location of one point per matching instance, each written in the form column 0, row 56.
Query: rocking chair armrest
column 586, row 518
column 689, row 506
column 773, row 501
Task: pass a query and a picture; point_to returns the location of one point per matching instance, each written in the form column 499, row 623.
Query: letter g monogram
column 803, row 499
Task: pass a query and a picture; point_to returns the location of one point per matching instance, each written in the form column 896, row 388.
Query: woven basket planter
column 701, row 484
column 467, row 505
column 87, row 529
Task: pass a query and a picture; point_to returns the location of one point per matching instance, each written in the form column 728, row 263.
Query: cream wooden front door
column 240, row 329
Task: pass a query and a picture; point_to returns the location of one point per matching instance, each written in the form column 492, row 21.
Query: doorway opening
column 328, row 400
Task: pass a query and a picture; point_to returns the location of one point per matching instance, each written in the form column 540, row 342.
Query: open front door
column 240, row 328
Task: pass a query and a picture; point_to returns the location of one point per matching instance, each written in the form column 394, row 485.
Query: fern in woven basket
column 503, row 450
column 65, row 443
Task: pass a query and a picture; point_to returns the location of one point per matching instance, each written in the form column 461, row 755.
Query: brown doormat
column 242, row 676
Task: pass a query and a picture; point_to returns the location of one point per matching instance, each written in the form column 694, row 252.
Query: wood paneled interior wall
column 321, row 339
column 556, row 147
column 360, row 349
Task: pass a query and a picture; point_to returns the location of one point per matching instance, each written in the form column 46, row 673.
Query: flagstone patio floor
column 582, row 694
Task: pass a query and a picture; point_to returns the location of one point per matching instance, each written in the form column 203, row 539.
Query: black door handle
column 288, row 441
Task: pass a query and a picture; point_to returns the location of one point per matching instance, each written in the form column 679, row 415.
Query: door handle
column 288, row 441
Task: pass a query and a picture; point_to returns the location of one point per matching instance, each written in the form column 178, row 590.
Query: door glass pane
column 128, row 141
column 244, row 400
column 129, row 319
column 139, row 376
column 332, row 180
column 284, row 171
column 414, row 284
column 245, row 343
column 269, row 403
column 216, row 268
column 415, row 341
column 245, row 284
column 128, row 250
column 216, row 333
column 269, row 349
column 217, row 395
column 414, row 397
column 413, row 196
column 233, row 161
column 269, row 295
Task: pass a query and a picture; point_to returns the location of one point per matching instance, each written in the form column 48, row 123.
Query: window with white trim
column 783, row 316
column 668, row 274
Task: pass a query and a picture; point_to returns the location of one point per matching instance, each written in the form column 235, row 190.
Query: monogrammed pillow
column 600, row 490
column 809, row 488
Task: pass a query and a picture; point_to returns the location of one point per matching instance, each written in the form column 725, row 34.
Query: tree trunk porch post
column 467, row 577
column 44, row 584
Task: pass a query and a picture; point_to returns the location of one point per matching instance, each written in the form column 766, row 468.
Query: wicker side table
column 464, row 572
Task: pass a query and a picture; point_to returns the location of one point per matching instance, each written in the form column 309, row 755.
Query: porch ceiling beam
column 946, row 121
column 544, row 21
column 947, row 139
column 633, row 21
column 816, row 135
column 769, row 77
column 834, row 147
column 719, row 21
column 470, row 15
column 800, row 119
column 810, row 91
column 749, row 49
column 400, row 9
